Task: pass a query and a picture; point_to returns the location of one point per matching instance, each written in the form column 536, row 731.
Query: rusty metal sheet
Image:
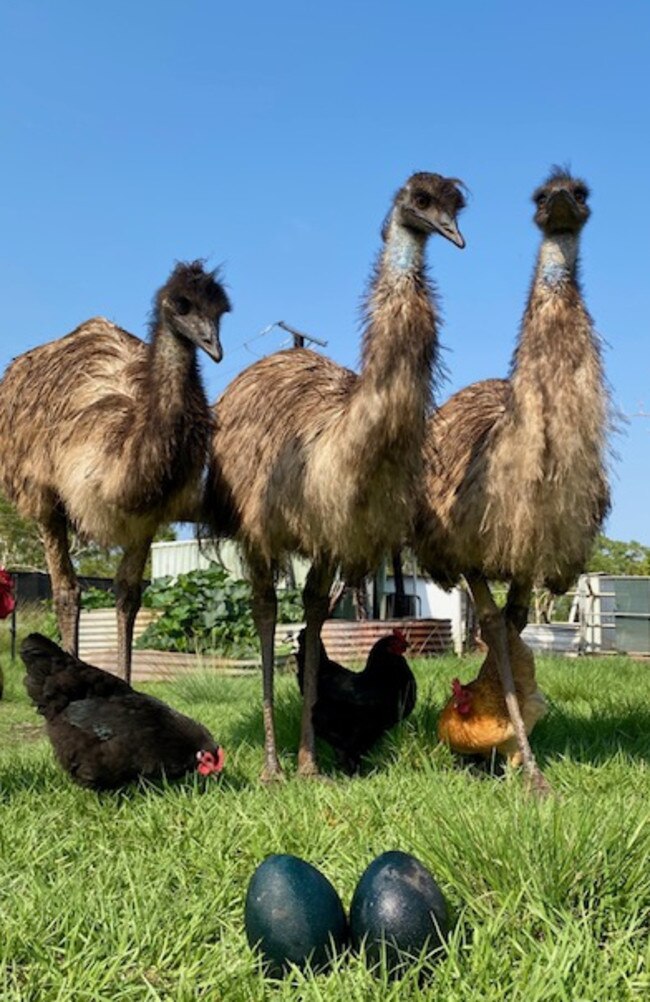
column 349, row 640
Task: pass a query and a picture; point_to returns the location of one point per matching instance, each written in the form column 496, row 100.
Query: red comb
column 209, row 764
column 462, row 697
column 398, row 643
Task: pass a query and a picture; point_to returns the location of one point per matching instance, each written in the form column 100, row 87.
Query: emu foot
column 537, row 784
column 272, row 773
column 317, row 777
column 307, row 765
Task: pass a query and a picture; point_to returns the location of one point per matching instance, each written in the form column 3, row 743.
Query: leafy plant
column 207, row 610
column 97, row 598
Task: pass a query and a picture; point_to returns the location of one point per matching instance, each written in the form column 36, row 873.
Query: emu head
column 429, row 203
column 191, row 304
column 561, row 203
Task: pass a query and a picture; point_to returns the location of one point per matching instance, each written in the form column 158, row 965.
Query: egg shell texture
column 293, row 915
column 397, row 907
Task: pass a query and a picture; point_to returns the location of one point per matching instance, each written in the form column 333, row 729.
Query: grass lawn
column 140, row 895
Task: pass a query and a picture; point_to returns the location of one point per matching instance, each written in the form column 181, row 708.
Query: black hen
column 354, row 709
column 105, row 734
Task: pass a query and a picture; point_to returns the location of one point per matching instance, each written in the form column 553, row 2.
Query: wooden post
column 400, row 607
column 14, row 628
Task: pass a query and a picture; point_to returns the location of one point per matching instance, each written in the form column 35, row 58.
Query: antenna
column 299, row 338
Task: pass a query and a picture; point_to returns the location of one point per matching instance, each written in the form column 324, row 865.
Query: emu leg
column 128, row 596
column 493, row 630
column 316, row 601
column 66, row 593
column 265, row 611
column 518, row 604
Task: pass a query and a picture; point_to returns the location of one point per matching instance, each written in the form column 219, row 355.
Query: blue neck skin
column 557, row 259
column 404, row 249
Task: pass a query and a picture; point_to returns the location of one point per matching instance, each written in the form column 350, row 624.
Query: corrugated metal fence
column 350, row 640
column 344, row 640
column 98, row 629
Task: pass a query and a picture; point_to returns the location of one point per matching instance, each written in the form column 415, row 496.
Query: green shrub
column 207, row 610
column 97, row 598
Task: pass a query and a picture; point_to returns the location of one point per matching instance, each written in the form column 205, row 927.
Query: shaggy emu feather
column 107, row 435
column 515, row 480
column 309, row 457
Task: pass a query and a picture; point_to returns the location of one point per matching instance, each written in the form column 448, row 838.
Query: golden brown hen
column 475, row 720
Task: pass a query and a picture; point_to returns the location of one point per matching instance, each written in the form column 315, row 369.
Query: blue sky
column 270, row 138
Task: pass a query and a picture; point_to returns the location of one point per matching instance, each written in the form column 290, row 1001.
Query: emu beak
column 204, row 334
column 212, row 345
column 562, row 207
column 446, row 226
column 561, row 195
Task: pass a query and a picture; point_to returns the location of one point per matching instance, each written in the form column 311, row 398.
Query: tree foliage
column 21, row 547
column 93, row 561
column 612, row 556
column 609, row 556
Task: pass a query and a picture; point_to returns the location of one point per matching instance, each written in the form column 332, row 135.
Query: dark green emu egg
column 398, row 908
column 293, row 915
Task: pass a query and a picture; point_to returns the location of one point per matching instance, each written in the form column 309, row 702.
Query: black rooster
column 354, row 709
column 105, row 734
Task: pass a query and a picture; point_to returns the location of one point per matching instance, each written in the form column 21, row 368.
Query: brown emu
column 515, row 485
column 310, row 457
column 108, row 435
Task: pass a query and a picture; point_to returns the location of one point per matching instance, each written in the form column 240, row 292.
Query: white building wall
column 180, row 556
column 434, row 602
column 441, row 604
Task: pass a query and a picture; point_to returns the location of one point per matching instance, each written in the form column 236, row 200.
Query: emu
column 515, row 480
column 312, row 458
column 107, row 435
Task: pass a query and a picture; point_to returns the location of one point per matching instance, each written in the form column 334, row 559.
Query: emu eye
column 422, row 199
column 541, row 198
column 580, row 195
column 183, row 306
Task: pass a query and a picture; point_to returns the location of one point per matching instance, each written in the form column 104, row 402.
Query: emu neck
column 559, row 397
column 556, row 335
column 404, row 250
column 399, row 349
column 556, row 264
column 545, row 476
column 172, row 361
column 400, row 337
column 363, row 473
